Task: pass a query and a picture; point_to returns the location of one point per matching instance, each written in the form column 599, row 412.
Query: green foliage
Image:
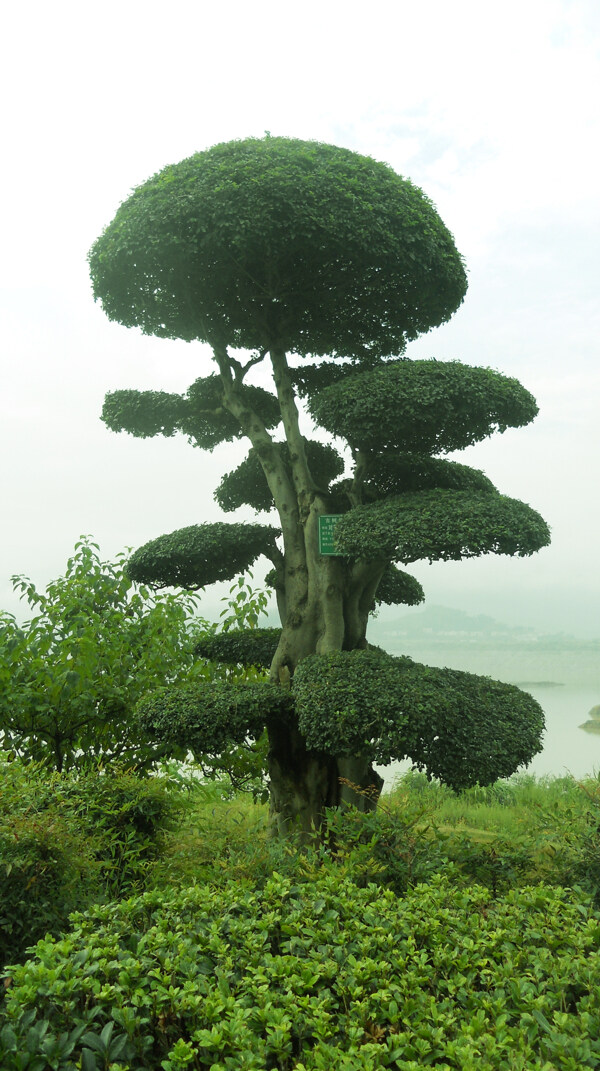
column 224, row 837
column 397, row 846
column 513, row 832
column 505, row 835
column 207, row 423
column 247, row 484
column 346, row 700
column 468, row 729
column 247, row 647
column 68, row 840
column 441, row 525
column 314, row 975
column 143, row 413
column 284, row 249
column 125, row 816
column 209, row 717
column 397, row 587
column 463, row 729
column 198, row 413
column 200, row 554
column 315, row 248
column 47, row 865
column 311, row 378
column 71, row 676
column 244, row 606
column 571, row 824
column 394, row 474
column 423, row 407
column 238, row 766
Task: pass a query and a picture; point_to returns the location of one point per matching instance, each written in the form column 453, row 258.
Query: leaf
column 88, row 1061
column 540, row 1018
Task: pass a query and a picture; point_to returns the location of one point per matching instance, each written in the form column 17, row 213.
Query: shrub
column 67, row 840
column 70, row 677
column 47, row 869
column 127, row 816
column 460, row 728
column 314, row 976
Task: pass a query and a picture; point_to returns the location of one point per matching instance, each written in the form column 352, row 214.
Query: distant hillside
column 443, row 625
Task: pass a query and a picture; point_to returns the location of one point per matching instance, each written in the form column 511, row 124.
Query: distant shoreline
column 538, row 684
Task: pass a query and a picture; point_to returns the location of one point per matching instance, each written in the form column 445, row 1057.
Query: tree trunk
column 330, row 615
column 305, row 783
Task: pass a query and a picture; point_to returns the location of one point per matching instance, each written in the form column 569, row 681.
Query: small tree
column 283, row 251
column 71, row 676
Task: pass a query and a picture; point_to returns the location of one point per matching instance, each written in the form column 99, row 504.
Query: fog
column 493, row 111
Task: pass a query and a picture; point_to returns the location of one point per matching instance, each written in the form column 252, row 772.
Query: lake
column 566, row 702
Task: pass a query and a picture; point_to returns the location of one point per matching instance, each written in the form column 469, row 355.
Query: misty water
column 564, row 677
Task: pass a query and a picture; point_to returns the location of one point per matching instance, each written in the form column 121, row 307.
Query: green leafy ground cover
column 444, row 931
column 315, row 975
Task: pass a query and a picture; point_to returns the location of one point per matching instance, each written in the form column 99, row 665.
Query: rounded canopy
column 441, row 525
column 426, row 407
column 276, row 241
column 461, row 728
column 200, row 554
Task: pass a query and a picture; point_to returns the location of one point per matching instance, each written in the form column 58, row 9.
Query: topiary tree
column 320, row 265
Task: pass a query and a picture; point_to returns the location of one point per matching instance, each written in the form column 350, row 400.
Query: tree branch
column 271, row 461
column 303, row 481
column 244, row 368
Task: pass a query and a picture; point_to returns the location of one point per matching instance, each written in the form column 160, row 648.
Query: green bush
column 397, row 846
column 67, row 841
column 46, row 870
column 70, row 677
column 511, row 833
column 314, row 976
column 127, row 816
column 571, row 825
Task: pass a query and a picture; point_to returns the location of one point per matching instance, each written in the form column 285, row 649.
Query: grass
column 516, row 832
column 503, row 807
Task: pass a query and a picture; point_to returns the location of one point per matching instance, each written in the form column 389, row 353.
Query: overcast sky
column 492, row 109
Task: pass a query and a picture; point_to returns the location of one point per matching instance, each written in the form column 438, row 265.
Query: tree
column 321, row 264
column 71, row 676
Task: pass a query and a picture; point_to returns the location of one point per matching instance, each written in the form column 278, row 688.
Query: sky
column 491, row 109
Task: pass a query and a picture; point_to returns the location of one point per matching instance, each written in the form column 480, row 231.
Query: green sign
column 327, row 525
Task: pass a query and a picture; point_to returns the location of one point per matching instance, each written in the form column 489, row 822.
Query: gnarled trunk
column 330, row 617
column 305, row 783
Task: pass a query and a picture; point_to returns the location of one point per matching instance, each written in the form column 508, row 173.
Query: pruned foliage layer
column 201, row 554
column 424, row 407
column 461, row 728
column 210, row 716
column 397, row 587
column 337, row 254
column 248, row 647
column 247, row 484
column 395, row 474
column 199, row 413
column 441, row 525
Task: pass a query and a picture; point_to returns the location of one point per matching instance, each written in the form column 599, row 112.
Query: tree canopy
column 275, row 241
column 421, row 407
